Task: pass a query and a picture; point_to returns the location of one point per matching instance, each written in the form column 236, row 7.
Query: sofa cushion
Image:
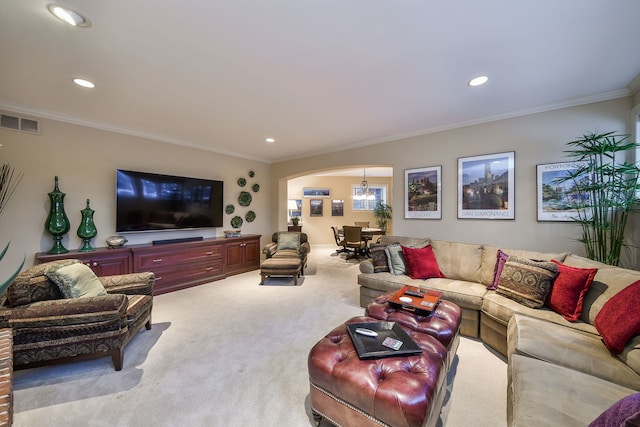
column 421, row 263
column 379, row 257
column 619, row 318
column 288, row 241
column 565, row 346
column 460, row 261
column 624, row 413
column 568, row 290
column 75, row 280
column 414, row 242
column 490, row 254
column 395, row 259
column 526, row 281
column 568, row 398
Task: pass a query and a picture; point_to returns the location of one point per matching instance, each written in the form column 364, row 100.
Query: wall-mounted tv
column 153, row 202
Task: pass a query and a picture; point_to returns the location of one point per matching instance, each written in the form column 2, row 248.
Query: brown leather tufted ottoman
column 443, row 323
column 396, row 391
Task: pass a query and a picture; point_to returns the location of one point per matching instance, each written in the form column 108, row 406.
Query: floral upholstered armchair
column 288, row 244
column 60, row 310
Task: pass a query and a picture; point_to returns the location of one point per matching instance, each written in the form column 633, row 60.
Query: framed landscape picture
column 315, row 207
column 486, row 186
column 557, row 198
column 316, row 192
column 423, row 193
column 337, row 208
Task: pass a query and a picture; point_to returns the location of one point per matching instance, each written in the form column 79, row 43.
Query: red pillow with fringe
column 568, row 290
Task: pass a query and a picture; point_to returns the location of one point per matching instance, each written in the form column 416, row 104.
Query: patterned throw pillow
column 526, row 281
column 379, row 258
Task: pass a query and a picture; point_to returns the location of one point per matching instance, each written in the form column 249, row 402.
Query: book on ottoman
column 416, row 300
column 374, row 340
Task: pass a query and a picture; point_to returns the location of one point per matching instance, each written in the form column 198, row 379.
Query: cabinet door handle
column 95, row 263
column 243, row 244
column 157, row 260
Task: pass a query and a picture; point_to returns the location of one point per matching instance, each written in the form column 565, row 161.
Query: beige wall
column 319, row 228
column 85, row 160
column 536, row 139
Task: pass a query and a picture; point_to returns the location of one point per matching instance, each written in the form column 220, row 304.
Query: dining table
column 368, row 233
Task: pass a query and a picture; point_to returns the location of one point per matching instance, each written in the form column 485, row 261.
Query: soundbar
column 181, row 240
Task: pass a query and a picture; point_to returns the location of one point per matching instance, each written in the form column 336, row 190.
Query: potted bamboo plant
column 604, row 192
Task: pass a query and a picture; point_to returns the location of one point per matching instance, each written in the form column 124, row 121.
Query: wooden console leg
column 116, row 356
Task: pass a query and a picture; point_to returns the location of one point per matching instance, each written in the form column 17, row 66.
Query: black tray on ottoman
column 372, row 348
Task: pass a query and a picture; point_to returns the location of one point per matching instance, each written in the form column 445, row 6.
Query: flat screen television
column 153, row 202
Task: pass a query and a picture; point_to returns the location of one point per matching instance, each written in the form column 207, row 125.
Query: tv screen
column 152, row 202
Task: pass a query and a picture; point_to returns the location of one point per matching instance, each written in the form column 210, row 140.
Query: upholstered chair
column 60, row 310
column 288, row 244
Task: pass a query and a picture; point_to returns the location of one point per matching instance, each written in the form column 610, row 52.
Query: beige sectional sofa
column 560, row 372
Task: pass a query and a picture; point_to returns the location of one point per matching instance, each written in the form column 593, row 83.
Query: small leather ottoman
column 281, row 266
column 443, row 323
column 405, row 391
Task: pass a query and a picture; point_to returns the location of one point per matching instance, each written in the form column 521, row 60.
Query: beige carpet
column 232, row 353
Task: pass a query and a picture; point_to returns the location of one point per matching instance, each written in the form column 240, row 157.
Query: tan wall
column 319, row 228
column 85, row 160
column 536, row 139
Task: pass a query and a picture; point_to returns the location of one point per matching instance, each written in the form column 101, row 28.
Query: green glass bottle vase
column 57, row 222
column 87, row 229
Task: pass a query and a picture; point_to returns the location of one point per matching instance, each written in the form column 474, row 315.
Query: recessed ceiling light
column 270, row 140
column 84, row 83
column 478, row 81
column 69, row 16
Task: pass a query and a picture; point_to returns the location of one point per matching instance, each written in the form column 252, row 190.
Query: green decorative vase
column 87, row 229
column 57, row 222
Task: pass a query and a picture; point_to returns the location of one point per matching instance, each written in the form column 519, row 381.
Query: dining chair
column 363, row 224
column 342, row 243
column 354, row 240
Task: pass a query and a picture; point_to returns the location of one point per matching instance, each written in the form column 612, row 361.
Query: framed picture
column 486, row 186
column 423, row 193
column 315, row 207
column 337, row 208
column 556, row 197
column 316, row 192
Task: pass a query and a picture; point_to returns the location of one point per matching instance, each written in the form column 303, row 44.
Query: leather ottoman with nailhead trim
column 405, row 391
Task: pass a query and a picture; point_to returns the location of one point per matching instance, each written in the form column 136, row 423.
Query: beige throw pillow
column 75, row 280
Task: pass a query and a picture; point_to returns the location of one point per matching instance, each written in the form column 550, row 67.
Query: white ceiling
column 317, row 75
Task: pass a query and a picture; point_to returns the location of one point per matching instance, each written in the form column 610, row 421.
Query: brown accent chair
column 271, row 249
column 47, row 327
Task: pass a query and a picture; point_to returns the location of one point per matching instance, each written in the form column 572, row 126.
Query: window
column 366, row 202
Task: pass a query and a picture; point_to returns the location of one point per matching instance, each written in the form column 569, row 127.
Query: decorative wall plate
column 255, row 188
column 229, row 209
column 244, row 199
column 252, row 174
column 250, row 216
column 242, row 182
column 236, row 222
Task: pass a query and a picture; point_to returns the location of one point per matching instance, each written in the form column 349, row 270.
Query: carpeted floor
column 232, row 353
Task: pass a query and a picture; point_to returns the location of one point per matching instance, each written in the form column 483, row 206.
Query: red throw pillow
column 421, row 262
column 619, row 319
column 569, row 289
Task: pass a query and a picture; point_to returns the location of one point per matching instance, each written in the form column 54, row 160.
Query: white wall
column 536, row 139
column 85, row 161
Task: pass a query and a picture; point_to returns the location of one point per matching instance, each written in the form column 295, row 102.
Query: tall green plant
column 9, row 180
column 382, row 214
column 605, row 190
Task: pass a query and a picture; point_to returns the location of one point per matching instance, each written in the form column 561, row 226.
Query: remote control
column 414, row 294
column 367, row 332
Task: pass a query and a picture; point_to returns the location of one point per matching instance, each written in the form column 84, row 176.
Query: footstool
column 443, row 323
column 281, row 266
column 405, row 391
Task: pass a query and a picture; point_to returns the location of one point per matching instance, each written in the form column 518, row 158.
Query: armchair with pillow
column 288, row 244
column 61, row 310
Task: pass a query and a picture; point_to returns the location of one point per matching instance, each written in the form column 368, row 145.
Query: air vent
column 22, row 124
